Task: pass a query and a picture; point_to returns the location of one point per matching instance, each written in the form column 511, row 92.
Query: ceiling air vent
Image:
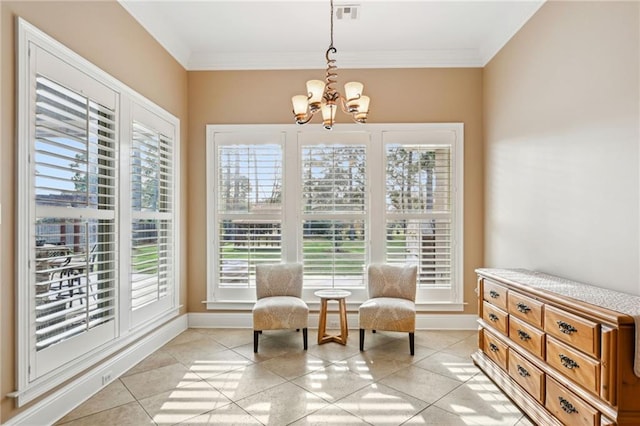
column 347, row 12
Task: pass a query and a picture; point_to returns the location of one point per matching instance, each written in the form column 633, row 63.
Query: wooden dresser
column 561, row 359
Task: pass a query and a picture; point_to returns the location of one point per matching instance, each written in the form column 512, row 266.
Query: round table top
column 332, row 293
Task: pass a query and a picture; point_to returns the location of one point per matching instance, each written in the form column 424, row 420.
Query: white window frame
column 375, row 219
column 127, row 330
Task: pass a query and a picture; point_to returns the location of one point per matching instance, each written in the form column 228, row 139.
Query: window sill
column 243, row 305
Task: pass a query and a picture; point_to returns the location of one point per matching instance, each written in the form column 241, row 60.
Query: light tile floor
column 212, row 376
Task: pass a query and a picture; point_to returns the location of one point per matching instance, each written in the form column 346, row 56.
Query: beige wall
column 105, row 34
column 561, row 108
column 407, row 95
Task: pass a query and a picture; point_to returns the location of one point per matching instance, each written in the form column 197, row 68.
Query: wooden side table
column 339, row 296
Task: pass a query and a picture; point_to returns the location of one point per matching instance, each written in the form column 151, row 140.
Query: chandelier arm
column 343, row 104
column 358, row 120
column 305, row 119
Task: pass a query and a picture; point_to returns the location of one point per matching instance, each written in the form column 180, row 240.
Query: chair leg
column 304, row 338
column 411, row 343
column 361, row 339
column 255, row 340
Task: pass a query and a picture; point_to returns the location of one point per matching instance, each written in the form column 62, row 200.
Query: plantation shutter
column 248, row 208
column 419, row 210
column 152, row 205
column 74, row 189
column 333, row 214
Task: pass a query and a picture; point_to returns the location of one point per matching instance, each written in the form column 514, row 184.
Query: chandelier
column 322, row 95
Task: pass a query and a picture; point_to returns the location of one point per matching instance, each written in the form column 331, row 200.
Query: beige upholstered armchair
column 391, row 305
column 279, row 305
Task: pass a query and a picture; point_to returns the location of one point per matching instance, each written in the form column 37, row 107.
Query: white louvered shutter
column 74, row 161
column 333, row 214
column 419, row 210
column 248, row 210
column 152, row 211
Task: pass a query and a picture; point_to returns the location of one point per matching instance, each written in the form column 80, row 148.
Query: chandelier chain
column 331, row 44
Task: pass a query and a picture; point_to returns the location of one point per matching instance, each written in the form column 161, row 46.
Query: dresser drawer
column 527, row 375
column 526, row 336
column 495, row 294
column 567, row 407
column 578, row 332
column 525, row 308
column 578, row 367
column 498, row 318
column 495, row 349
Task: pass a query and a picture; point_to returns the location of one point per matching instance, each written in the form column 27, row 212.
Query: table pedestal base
column 323, row 337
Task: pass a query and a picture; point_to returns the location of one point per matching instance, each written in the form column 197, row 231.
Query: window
column 93, row 156
column 335, row 201
column 152, row 176
column 333, row 208
column 247, row 209
column 419, row 215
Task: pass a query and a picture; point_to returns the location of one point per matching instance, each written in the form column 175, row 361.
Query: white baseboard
column 53, row 407
column 244, row 320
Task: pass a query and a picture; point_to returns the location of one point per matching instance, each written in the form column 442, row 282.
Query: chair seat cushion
column 388, row 313
column 280, row 312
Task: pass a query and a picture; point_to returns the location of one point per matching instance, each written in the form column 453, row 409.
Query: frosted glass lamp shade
column 315, row 89
column 353, row 90
column 300, row 104
column 328, row 115
column 363, row 109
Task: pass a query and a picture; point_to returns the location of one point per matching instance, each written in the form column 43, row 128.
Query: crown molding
column 436, row 58
column 154, row 25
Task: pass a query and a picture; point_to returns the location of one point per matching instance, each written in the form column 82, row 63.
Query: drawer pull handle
column 493, row 317
column 566, row 406
column 494, row 294
column 522, row 307
column 493, row 347
column 565, row 327
column 523, row 372
column 568, row 362
column 523, row 335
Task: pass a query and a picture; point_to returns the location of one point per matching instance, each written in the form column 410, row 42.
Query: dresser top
column 609, row 299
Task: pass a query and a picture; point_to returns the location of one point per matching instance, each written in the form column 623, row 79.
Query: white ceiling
column 242, row 34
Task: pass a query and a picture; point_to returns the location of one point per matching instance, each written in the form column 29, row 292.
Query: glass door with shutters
column 97, row 258
column 74, row 239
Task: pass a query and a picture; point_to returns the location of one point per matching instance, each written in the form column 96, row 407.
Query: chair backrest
column 392, row 281
column 284, row 279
